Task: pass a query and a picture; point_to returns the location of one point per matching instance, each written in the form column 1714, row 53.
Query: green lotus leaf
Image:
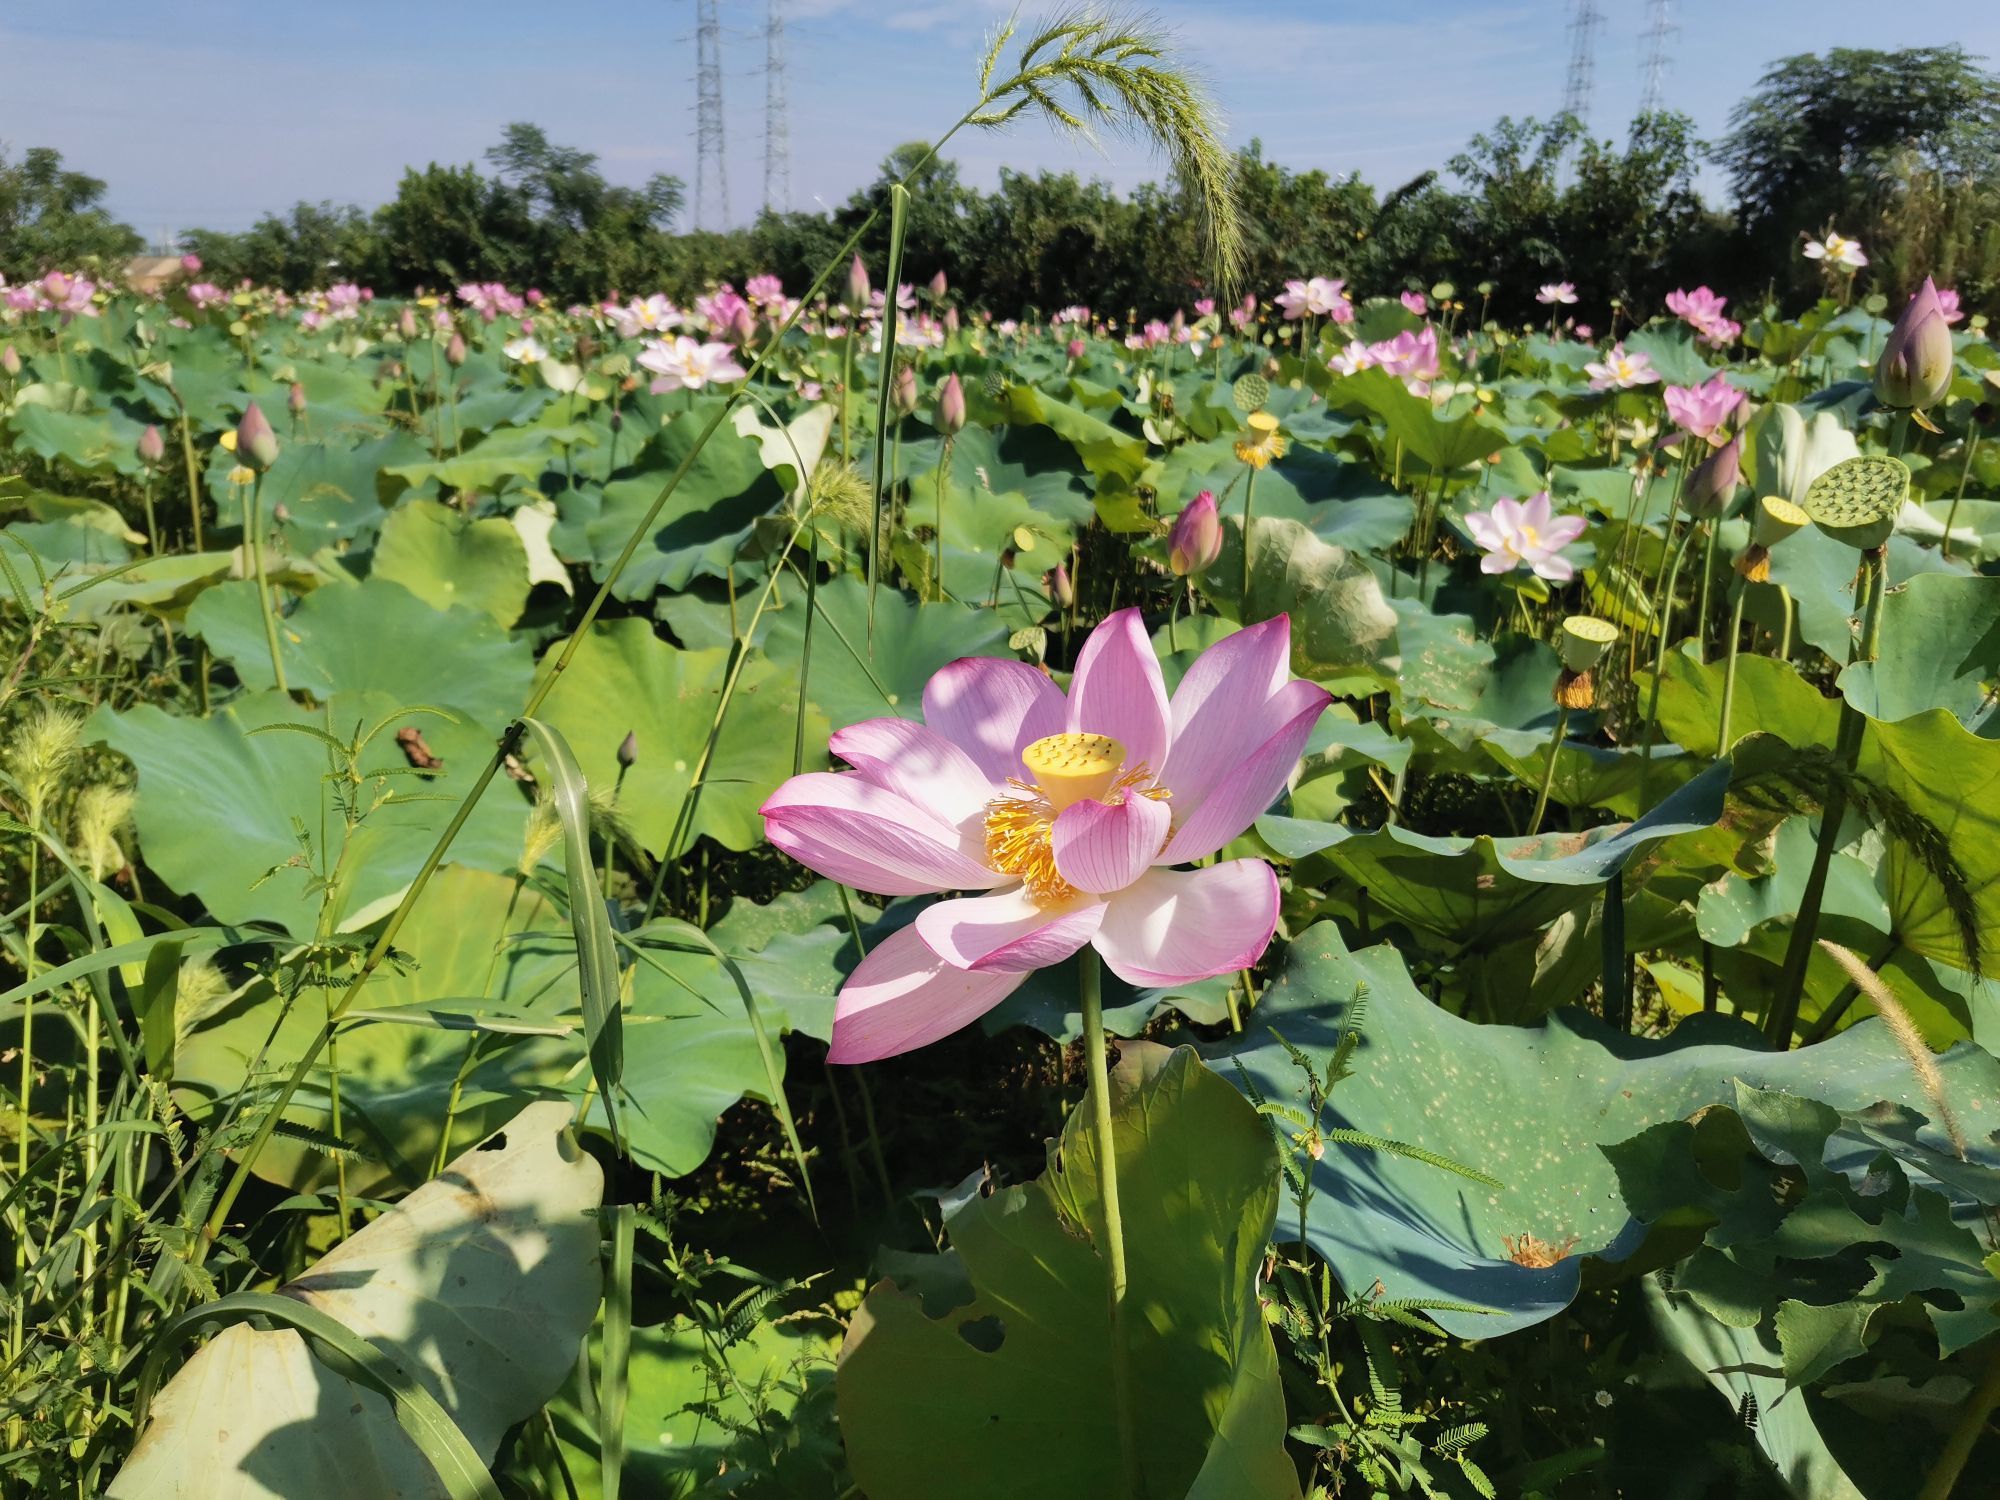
column 1940, row 648
column 1010, row 1393
column 445, row 557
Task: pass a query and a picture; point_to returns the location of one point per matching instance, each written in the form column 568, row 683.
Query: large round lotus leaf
column 624, row 679
column 1340, row 621
column 374, row 635
column 1940, row 648
column 225, row 815
column 522, row 453
column 445, row 557
column 477, row 943
column 1856, row 500
column 850, row 680
column 1010, row 1393
column 1552, row 1093
column 1426, row 437
column 1338, row 500
column 480, row 1286
column 697, row 533
column 98, row 442
column 690, row 1045
column 329, row 491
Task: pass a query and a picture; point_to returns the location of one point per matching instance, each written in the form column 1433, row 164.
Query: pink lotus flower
column 1240, row 316
column 1702, row 410
column 1356, row 356
column 1203, row 306
column 1702, row 309
column 764, row 288
column 1555, row 292
column 687, row 365
column 1620, row 371
column 1514, row 535
column 1415, row 302
column 1321, row 297
column 1067, row 815
column 1948, row 303
column 1411, row 357
column 1837, row 250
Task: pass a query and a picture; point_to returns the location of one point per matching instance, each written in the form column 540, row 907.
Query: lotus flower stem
column 1707, row 577
column 1090, row 995
column 1965, row 1434
column 937, row 536
column 1249, row 493
column 1549, row 772
column 264, row 608
column 1729, row 671
column 847, row 388
column 1784, row 1016
column 1663, row 612
column 1617, row 991
column 1951, row 516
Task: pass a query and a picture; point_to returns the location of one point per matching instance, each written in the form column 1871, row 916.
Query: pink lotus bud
column 856, row 295
column 951, row 320
column 454, row 352
column 534, row 296
column 1713, row 483
column 1196, row 540
column 628, row 749
column 951, row 407
column 742, row 323
column 1076, row 348
column 10, row 360
column 903, row 390
column 1915, row 369
column 256, row 443
column 1060, row 588
column 190, row 263
column 151, row 446
column 406, row 325
column 295, row 399
column 939, row 285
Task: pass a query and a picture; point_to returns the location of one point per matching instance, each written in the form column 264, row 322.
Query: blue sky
column 207, row 112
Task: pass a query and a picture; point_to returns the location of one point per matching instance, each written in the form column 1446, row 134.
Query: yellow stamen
column 1067, row 769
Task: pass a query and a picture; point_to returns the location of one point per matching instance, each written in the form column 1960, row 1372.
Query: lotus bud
column 533, row 296
column 295, row 399
column 256, row 443
column 406, row 325
column 1196, row 540
column 903, row 390
column 951, row 407
column 742, row 324
column 1712, row 485
column 951, row 320
column 1582, row 644
column 190, row 263
column 281, row 513
column 1076, row 348
column 454, row 352
column 1771, row 520
column 939, row 286
column 152, row 447
column 10, row 360
column 855, row 298
column 1915, row 369
column 628, row 749
column 1060, row 588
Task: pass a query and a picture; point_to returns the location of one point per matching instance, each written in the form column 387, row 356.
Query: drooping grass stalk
column 1784, row 1015
column 265, row 607
column 1549, row 771
column 17, row 1325
column 1090, row 995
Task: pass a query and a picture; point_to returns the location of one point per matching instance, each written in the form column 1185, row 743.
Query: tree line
column 1899, row 148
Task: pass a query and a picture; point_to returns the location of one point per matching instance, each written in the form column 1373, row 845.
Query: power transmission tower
column 777, row 131
column 1659, row 34
column 1582, row 58
column 711, row 169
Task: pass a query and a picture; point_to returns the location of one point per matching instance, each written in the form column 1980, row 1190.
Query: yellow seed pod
column 1071, row 767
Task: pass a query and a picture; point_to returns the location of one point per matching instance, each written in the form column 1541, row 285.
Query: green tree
column 52, row 218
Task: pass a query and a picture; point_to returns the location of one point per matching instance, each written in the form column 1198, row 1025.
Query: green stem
column 847, row 381
column 1784, row 1017
column 1965, row 1434
column 1617, row 986
column 254, row 524
column 1707, row 576
column 1549, row 773
column 1249, row 493
column 152, row 524
column 1722, row 740
column 1090, row 994
column 937, row 537
column 1663, row 611
column 1951, row 516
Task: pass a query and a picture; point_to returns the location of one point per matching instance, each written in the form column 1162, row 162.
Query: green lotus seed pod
column 1250, row 392
column 1773, row 518
column 1856, row 500
column 1584, row 640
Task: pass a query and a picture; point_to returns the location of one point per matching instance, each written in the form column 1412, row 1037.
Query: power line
column 777, row 129
column 1582, row 58
column 711, row 169
column 1658, row 36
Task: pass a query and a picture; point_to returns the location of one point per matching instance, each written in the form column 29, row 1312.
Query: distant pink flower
column 1411, row 357
column 1555, row 292
column 1415, row 302
column 1583, row 331
column 1319, row 297
column 687, row 365
column 1240, row 316
column 1620, row 371
column 1066, row 814
column 191, row 264
column 1836, row 250
column 1203, row 306
column 650, row 315
column 1703, row 410
column 1356, row 356
column 764, row 288
column 1948, row 302
column 205, row 294
column 1514, row 535
column 1702, row 309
